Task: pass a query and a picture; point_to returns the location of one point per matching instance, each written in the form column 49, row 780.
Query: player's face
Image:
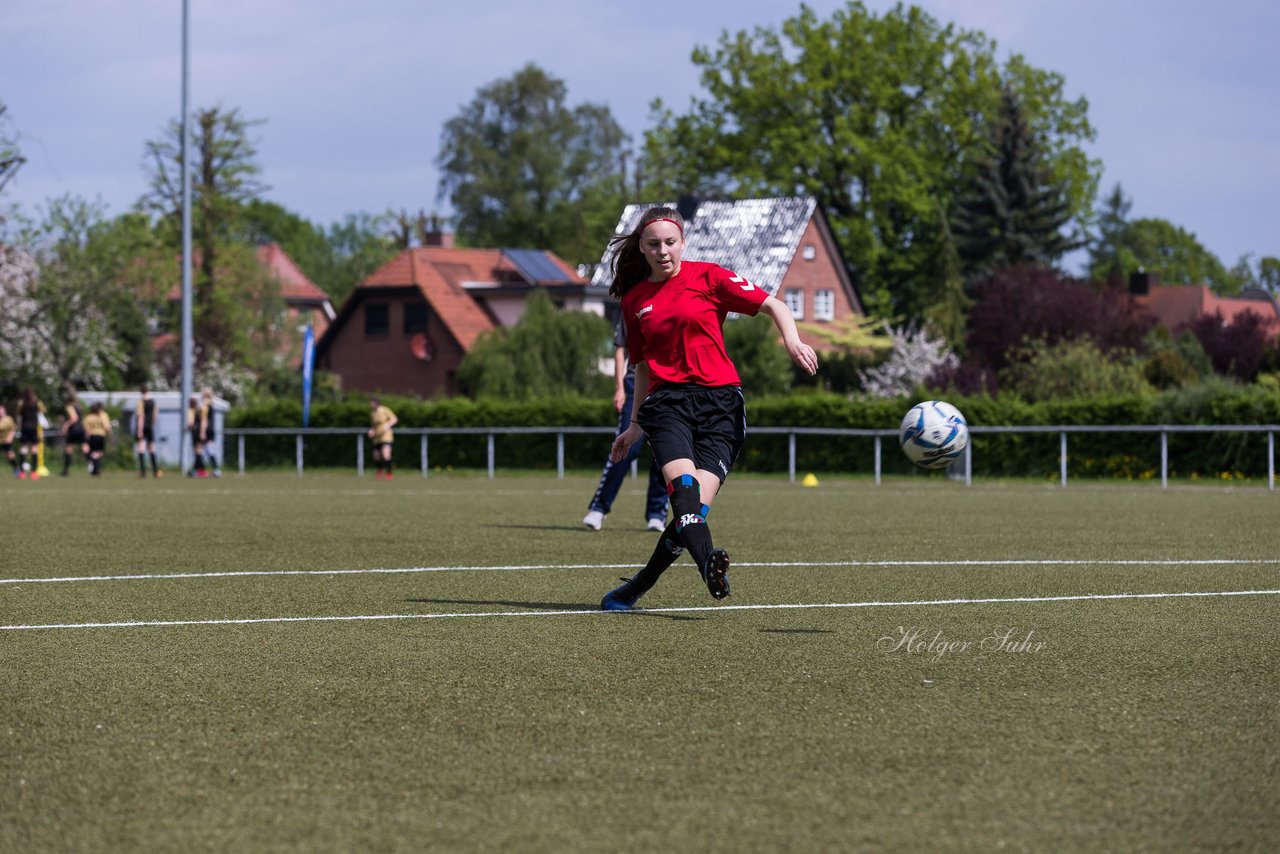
column 662, row 244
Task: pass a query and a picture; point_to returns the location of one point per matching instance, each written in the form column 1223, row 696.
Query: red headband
column 650, row 222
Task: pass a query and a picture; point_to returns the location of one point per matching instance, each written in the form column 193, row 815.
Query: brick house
column 405, row 328
column 783, row 245
column 1174, row 306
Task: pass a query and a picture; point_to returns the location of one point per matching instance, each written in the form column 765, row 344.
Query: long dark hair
column 629, row 266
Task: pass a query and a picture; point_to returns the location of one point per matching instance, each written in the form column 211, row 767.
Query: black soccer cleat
column 623, row 597
column 716, row 573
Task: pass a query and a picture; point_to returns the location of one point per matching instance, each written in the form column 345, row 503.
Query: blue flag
column 308, row 358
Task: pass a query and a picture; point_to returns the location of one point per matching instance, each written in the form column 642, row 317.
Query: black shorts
column 29, row 435
column 75, row 435
column 706, row 425
column 6, row 447
column 148, row 435
column 97, row 443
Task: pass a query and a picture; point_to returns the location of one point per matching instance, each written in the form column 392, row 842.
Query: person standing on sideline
column 382, row 420
column 30, row 410
column 624, row 381
column 197, row 444
column 207, row 430
column 97, row 425
column 688, row 398
column 73, row 431
column 144, row 431
column 8, row 429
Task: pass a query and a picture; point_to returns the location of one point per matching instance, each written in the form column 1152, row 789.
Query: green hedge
column 1127, row 455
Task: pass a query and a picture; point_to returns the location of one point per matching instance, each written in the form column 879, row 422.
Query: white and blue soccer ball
column 933, row 434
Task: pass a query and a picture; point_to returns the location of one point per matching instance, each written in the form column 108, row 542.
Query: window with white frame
column 794, row 298
column 824, row 305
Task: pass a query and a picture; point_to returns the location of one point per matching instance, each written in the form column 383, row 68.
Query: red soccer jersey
column 677, row 326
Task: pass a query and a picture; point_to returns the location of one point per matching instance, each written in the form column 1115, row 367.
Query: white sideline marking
column 529, row 567
column 590, row 612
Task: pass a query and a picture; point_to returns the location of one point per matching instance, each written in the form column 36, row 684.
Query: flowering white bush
column 912, row 359
column 22, row 351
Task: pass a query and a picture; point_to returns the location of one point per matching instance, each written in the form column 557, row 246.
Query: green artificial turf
column 471, row 697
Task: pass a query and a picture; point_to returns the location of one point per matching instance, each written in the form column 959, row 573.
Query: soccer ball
column 933, row 434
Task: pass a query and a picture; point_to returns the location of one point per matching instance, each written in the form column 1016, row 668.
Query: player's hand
column 622, row 444
column 619, row 399
column 804, row 356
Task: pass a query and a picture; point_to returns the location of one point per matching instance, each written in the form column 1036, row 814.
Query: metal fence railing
column 793, row 434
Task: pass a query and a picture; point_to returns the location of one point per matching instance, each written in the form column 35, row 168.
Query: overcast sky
column 1183, row 95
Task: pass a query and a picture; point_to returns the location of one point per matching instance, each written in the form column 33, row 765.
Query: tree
column 877, row 117
column 68, row 301
column 1038, row 304
column 11, row 158
column 1237, row 349
column 1172, row 253
column 915, row 357
column 1011, row 211
column 547, row 353
column 224, row 180
column 523, row 169
column 1109, row 258
column 1072, row 368
column 337, row 258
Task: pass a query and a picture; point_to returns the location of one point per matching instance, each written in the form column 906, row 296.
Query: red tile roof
column 294, row 284
column 439, row 273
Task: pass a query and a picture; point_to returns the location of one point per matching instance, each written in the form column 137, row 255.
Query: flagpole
column 187, row 347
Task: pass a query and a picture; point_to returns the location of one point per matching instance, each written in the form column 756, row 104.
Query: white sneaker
column 657, row 524
column 593, row 520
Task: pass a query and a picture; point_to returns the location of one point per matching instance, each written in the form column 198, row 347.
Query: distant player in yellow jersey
column 97, row 426
column 383, row 420
column 7, row 431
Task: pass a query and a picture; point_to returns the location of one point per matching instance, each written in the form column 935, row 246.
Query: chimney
column 442, row 239
column 1141, row 282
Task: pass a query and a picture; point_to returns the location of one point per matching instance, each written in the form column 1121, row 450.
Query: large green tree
column 336, row 258
column 69, row 302
column 522, row 168
column 1011, row 211
column 879, row 117
column 1173, row 254
column 547, row 353
column 225, row 178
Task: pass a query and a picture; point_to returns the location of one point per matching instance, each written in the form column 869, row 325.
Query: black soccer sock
column 665, row 553
column 142, row 464
column 22, row 461
column 66, row 462
column 691, row 525
column 213, row 460
column 154, row 467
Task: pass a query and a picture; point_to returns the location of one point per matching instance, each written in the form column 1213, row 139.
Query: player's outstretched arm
column 801, row 353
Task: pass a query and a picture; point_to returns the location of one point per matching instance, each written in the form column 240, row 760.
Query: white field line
column 531, row 567
column 702, row 608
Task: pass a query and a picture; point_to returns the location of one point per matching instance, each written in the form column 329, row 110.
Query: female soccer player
column 72, row 431
column 97, row 425
column 144, row 431
column 30, row 411
column 382, row 420
column 688, row 400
